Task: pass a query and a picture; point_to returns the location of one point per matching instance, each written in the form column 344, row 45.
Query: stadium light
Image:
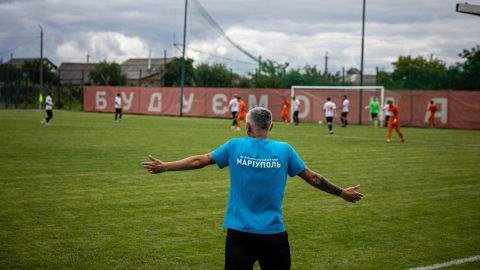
column 182, row 79
column 361, row 65
column 41, row 58
column 468, row 8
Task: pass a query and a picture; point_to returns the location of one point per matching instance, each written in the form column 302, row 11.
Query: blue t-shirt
column 258, row 175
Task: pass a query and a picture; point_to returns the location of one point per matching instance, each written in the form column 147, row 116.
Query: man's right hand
column 351, row 194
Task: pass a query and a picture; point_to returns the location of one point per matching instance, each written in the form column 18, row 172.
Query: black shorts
column 329, row 119
column 118, row 110
column 344, row 114
column 242, row 250
column 374, row 115
column 234, row 114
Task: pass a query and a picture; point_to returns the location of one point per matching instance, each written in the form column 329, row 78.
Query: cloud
column 299, row 32
column 101, row 46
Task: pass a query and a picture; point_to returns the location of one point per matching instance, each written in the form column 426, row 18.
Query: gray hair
column 260, row 118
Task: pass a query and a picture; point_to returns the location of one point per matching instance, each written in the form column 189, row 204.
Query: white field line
column 449, row 263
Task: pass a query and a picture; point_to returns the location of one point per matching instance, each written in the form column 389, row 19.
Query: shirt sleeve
column 296, row 164
column 221, row 154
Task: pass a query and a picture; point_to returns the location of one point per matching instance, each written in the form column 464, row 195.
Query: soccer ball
column 320, row 122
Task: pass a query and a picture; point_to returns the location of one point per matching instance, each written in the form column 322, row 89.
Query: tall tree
column 32, row 70
column 174, row 71
column 470, row 75
column 108, row 74
column 417, row 73
column 214, row 75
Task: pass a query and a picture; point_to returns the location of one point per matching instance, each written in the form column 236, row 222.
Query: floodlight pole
column 182, row 78
column 41, row 58
column 468, row 8
column 361, row 66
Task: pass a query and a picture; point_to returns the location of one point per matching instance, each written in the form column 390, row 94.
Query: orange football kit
column 431, row 120
column 393, row 122
column 285, row 107
column 242, row 114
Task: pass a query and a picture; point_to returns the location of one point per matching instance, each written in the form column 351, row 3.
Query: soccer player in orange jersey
column 242, row 114
column 393, row 122
column 432, row 108
column 284, row 113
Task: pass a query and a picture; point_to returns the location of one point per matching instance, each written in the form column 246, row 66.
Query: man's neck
column 258, row 136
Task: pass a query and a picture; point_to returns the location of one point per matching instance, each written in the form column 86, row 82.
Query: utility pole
column 326, row 64
column 161, row 82
column 41, row 58
column 182, row 79
column 88, row 57
column 165, row 59
column 361, row 66
column 343, row 75
column 259, row 64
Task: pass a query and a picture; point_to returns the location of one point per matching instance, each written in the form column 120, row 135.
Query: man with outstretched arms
column 258, row 175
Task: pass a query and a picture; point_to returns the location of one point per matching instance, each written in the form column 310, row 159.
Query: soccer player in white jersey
column 296, row 110
column 345, row 105
column 387, row 114
column 48, row 109
column 118, row 107
column 329, row 108
column 233, row 107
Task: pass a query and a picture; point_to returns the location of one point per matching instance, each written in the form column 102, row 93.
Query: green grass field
column 74, row 195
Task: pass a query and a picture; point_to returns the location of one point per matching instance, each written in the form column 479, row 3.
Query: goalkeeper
column 374, row 107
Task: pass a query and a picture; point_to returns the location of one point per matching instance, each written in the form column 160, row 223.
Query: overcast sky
column 299, row 32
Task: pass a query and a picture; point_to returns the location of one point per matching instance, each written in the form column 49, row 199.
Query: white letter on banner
column 155, row 103
column 442, row 114
column 217, row 102
column 187, row 104
column 128, row 101
column 252, row 101
column 306, row 106
column 100, row 100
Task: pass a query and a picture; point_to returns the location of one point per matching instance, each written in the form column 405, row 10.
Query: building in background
column 145, row 71
column 20, row 62
column 75, row 73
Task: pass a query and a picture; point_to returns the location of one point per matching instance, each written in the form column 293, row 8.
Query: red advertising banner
column 456, row 109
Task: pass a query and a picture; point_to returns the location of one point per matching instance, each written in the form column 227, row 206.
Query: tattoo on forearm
column 323, row 184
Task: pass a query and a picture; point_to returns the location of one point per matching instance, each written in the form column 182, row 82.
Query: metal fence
column 17, row 92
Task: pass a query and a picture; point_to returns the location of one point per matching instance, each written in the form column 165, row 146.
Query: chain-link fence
column 18, row 92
